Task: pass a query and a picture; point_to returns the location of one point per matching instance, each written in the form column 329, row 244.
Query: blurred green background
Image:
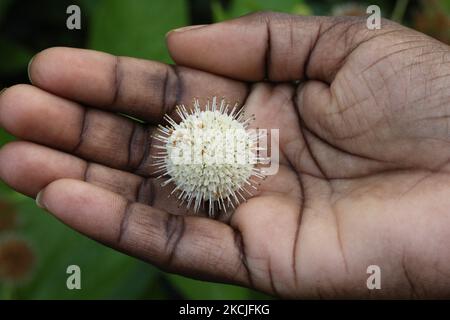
column 35, row 249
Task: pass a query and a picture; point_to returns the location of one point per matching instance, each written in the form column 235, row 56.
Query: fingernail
column 183, row 29
column 28, row 69
column 39, row 202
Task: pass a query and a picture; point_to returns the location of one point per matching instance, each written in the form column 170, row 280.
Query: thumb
column 273, row 46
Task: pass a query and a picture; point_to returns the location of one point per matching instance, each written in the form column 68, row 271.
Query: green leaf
column 242, row 7
column 136, row 27
column 219, row 13
column 4, row 7
column 195, row 289
column 13, row 57
column 445, row 4
column 5, row 137
column 302, row 9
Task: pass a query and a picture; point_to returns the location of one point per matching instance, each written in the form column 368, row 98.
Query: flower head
column 209, row 156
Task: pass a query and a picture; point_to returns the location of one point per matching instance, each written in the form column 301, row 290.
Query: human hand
column 364, row 148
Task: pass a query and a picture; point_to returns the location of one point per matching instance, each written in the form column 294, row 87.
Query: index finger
column 136, row 87
column 274, row 46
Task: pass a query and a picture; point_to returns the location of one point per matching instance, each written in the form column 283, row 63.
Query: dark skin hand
column 364, row 173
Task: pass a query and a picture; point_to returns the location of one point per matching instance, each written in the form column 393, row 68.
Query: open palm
column 364, row 141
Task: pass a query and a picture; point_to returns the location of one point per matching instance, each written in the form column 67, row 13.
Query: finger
column 275, row 46
column 323, row 117
column 317, row 106
column 140, row 88
column 194, row 246
column 329, row 111
column 32, row 114
column 28, row 168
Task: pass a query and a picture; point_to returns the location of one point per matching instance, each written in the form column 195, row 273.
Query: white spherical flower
column 209, row 156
